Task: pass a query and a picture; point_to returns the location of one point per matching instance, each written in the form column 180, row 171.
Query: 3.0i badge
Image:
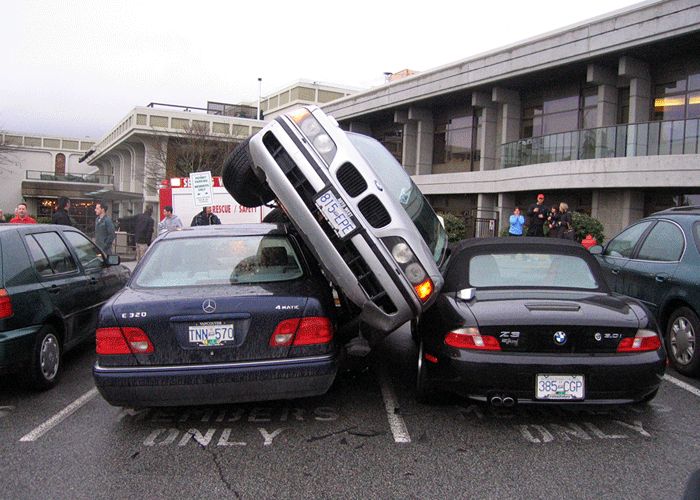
column 560, row 338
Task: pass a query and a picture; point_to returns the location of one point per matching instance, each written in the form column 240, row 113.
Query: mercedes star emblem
column 209, row 306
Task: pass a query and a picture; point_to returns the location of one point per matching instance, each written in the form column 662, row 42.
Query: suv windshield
column 399, row 184
column 219, row 260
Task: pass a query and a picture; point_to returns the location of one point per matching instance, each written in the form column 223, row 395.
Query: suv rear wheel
column 681, row 341
column 240, row 179
column 45, row 363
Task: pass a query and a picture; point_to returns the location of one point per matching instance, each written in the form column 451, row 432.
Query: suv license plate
column 559, row 387
column 336, row 213
column 207, row 334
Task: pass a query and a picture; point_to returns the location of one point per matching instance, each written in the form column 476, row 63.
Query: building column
column 488, row 124
column 506, row 205
column 486, row 209
column 425, row 130
column 606, row 79
column 617, row 208
column 409, row 140
column 510, row 116
column 640, row 96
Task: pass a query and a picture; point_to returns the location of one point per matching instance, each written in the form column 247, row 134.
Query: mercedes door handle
column 615, row 271
column 660, row 278
column 54, row 289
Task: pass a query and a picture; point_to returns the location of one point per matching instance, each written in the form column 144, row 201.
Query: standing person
column 537, row 216
column 170, row 221
column 516, row 223
column 205, row 218
column 566, row 223
column 21, row 215
column 553, row 222
column 104, row 228
column 60, row 216
column 143, row 232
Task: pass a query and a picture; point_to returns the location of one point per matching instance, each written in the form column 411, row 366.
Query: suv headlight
column 315, row 133
column 413, row 270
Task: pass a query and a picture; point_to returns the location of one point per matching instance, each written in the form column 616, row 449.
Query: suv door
column 618, row 252
column 649, row 275
column 60, row 276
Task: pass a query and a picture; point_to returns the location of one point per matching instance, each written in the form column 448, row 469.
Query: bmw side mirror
column 113, row 260
column 596, row 249
column 466, row 294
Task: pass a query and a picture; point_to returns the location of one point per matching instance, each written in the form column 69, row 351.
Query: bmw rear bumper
column 145, row 386
column 608, row 378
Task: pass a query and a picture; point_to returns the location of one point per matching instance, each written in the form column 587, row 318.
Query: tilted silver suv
column 358, row 210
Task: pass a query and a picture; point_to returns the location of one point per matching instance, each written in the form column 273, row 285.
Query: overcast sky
column 75, row 68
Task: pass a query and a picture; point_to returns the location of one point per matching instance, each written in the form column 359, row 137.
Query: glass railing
column 39, row 175
column 618, row 141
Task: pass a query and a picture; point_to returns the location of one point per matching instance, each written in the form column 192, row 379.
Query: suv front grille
column 351, row 180
column 374, row 211
column 365, row 277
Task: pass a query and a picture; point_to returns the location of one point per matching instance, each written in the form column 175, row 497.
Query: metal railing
column 618, row 141
column 40, row 175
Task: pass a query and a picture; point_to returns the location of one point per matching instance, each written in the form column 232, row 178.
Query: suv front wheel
column 681, row 341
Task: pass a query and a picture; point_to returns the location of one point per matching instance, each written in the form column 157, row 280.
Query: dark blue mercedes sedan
column 218, row 314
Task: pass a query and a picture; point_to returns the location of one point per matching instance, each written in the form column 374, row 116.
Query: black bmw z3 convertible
column 218, row 314
column 531, row 320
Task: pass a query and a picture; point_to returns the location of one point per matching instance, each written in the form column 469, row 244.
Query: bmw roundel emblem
column 560, row 337
column 209, row 306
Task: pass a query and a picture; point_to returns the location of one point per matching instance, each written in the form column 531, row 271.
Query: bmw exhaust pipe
column 496, row 401
column 508, row 401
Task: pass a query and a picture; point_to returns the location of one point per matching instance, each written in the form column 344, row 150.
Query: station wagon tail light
column 311, row 330
column 470, row 338
column 644, row 340
column 316, row 134
column 127, row 340
column 5, row 304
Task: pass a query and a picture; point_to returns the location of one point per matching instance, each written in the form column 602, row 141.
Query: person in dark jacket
column 537, row 216
column 60, row 216
column 205, row 218
column 566, row 223
column 143, row 232
column 104, row 228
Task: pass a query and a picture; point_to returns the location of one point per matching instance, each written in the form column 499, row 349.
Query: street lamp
column 259, row 95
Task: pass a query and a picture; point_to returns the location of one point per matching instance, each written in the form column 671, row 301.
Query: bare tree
column 7, row 155
column 193, row 150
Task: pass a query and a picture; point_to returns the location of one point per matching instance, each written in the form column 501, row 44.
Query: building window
column 623, row 105
column 390, row 134
column 678, row 99
column 455, row 144
column 557, row 110
column 589, row 108
column 60, row 164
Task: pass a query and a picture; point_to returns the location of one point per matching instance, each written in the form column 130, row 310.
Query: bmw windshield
column 395, row 179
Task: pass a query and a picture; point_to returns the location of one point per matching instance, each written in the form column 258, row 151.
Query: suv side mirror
column 113, row 260
column 596, row 250
column 466, row 294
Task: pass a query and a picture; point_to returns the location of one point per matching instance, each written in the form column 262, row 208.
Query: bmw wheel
column 45, row 363
column 681, row 341
column 240, row 179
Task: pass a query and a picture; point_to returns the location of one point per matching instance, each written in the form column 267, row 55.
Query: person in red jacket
column 22, row 216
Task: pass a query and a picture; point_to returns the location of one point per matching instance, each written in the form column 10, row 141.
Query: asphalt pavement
column 367, row 437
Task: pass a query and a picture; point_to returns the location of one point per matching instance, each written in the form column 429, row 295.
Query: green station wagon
column 53, row 281
column 657, row 260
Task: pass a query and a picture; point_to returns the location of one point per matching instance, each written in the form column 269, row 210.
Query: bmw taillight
column 644, row 340
column 311, row 330
column 125, row 340
column 5, row 304
column 470, row 338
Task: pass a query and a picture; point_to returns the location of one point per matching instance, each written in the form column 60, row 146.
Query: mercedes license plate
column 559, row 387
column 211, row 333
column 336, row 213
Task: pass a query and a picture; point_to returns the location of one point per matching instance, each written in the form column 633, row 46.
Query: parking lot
column 367, row 437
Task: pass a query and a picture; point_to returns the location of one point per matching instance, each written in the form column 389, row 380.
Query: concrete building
column 39, row 169
column 603, row 115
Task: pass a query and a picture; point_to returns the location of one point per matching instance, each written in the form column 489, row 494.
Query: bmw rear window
column 510, row 270
column 218, row 260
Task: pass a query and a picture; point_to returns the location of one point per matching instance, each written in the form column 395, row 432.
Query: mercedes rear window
column 510, row 270
column 218, row 260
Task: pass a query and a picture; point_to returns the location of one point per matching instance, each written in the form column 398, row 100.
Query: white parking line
column 60, row 416
column 396, row 423
column 683, row 385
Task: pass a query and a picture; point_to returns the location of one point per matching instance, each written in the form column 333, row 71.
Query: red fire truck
column 177, row 193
